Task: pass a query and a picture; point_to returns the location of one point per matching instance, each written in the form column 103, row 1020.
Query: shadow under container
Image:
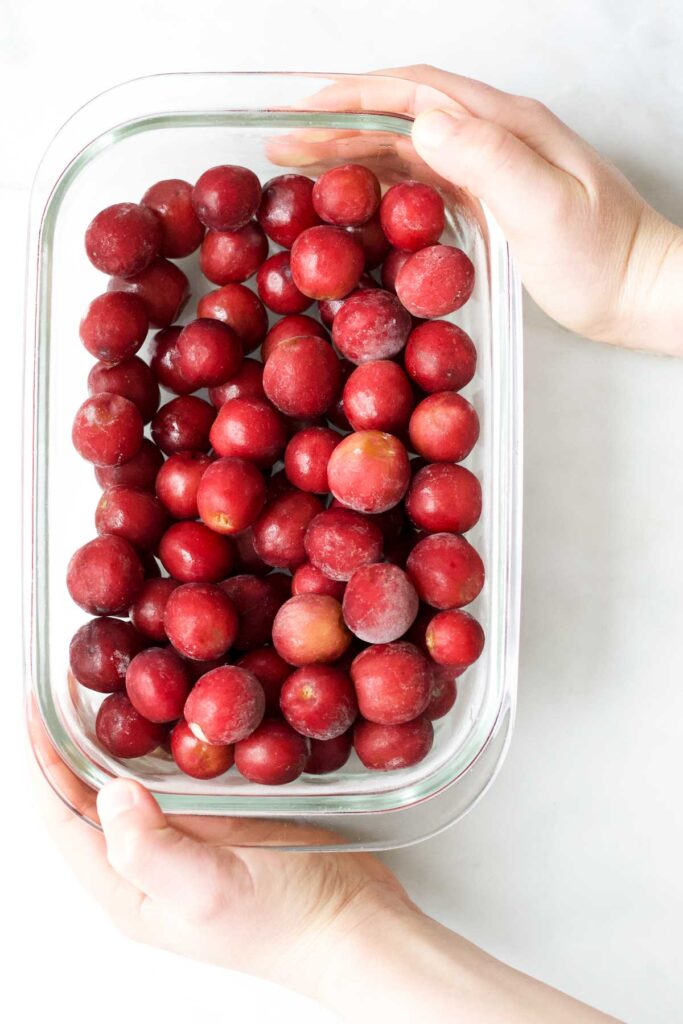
column 112, row 150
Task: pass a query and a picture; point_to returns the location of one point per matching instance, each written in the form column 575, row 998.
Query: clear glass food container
column 110, row 151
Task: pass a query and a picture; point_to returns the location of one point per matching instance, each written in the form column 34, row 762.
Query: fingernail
column 434, row 127
column 116, row 798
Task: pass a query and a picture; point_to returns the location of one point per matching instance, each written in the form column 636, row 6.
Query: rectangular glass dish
column 177, row 126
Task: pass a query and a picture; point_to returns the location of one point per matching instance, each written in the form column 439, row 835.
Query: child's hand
column 591, row 252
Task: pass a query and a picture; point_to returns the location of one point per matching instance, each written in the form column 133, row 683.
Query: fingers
column 412, row 90
column 68, row 792
column 396, row 95
column 494, row 165
column 315, row 148
column 139, row 855
column 389, row 155
column 478, row 98
column 58, row 791
column 189, row 878
column 528, row 119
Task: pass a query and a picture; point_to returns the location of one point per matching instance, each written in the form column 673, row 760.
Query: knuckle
column 494, row 141
column 490, row 93
column 132, row 914
column 423, row 69
column 125, row 924
column 210, row 900
column 126, row 853
column 206, row 906
column 531, row 106
column 563, row 209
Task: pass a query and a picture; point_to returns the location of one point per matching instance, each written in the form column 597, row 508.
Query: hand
column 591, row 252
column 337, row 927
column 184, row 885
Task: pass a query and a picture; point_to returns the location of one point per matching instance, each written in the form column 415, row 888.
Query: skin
column 603, row 263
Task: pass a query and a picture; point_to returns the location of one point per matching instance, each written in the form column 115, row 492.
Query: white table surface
column 570, row 868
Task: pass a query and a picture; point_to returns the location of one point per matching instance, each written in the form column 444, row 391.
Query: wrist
column 398, row 963
column 651, row 304
column 333, row 950
column 399, row 958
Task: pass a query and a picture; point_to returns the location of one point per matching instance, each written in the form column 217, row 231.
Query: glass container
column 111, row 150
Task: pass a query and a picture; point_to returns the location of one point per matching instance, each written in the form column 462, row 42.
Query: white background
column 571, row 866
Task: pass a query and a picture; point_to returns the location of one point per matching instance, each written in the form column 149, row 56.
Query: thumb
column 491, row 163
column 184, row 875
